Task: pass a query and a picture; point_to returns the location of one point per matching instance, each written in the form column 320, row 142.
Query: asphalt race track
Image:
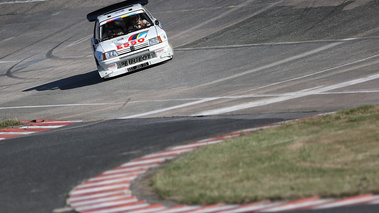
column 237, row 64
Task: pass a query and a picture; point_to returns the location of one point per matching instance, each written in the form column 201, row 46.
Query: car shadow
column 76, row 81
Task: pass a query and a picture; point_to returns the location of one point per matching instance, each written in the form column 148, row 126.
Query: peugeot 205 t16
column 127, row 38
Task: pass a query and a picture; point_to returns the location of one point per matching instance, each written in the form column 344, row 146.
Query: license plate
column 139, row 59
column 135, row 60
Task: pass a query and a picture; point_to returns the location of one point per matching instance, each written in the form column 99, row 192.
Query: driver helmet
column 136, row 20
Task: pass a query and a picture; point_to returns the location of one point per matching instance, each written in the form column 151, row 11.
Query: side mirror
column 156, row 22
column 94, row 41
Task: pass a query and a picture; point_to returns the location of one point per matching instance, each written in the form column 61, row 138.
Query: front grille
column 135, row 47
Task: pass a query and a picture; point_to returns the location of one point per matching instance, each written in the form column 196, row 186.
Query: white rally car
column 127, row 38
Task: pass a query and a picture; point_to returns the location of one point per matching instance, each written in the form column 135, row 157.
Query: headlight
column 155, row 41
column 110, row 54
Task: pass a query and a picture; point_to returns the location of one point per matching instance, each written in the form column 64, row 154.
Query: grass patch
column 334, row 155
column 7, row 123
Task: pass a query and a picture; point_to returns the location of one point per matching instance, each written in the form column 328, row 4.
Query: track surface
column 252, row 61
column 254, row 56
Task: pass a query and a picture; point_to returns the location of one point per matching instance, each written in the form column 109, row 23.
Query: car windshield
column 124, row 25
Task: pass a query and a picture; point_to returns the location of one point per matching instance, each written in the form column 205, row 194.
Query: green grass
column 334, row 155
column 8, row 123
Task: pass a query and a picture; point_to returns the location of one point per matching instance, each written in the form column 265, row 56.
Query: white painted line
column 169, row 108
column 59, row 105
column 43, row 127
column 350, row 92
column 286, row 97
column 286, row 60
column 314, row 73
column 62, row 121
column 320, row 49
column 266, row 44
column 16, row 133
column 22, row 2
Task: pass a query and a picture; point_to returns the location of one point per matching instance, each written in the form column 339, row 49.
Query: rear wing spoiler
column 93, row 16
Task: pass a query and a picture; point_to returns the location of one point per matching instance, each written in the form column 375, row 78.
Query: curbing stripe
column 101, row 189
column 293, row 205
column 74, row 199
column 109, row 204
column 31, row 127
column 112, row 176
column 100, row 192
column 84, row 187
column 149, row 209
column 103, row 200
column 143, row 162
column 121, row 170
column 119, row 208
column 178, row 209
column 214, row 208
column 300, row 206
column 105, row 194
column 6, row 136
column 103, row 183
column 253, row 207
column 361, row 199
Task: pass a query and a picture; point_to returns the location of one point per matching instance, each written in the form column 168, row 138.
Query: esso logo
column 132, row 43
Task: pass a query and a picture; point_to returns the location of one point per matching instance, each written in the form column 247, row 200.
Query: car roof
column 120, row 12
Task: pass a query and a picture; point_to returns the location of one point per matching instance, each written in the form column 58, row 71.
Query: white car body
column 135, row 46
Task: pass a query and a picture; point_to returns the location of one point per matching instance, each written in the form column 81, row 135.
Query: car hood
column 121, row 41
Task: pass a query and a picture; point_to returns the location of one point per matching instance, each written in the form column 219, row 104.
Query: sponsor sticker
column 132, row 43
column 159, row 51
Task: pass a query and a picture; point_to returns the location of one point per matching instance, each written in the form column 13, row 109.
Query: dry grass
column 7, row 123
column 334, row 155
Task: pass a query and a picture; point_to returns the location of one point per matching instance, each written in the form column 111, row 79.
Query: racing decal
column 121, row 17
column 132, row 43
column 138, row 35
column 160, row 24
column 114, row 19
column 129, row 15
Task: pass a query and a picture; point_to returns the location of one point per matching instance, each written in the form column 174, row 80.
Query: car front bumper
column 136, row 60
